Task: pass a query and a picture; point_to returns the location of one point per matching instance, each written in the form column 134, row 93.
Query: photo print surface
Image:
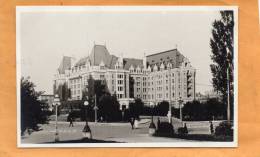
column 143, row 76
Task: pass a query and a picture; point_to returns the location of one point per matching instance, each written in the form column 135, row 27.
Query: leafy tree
column 215, row 108
column 95, row 88
column 33, row 111
column 194, row 110
column 222, row 47
column 136, row 108
column 162, row 108
column 109, row 108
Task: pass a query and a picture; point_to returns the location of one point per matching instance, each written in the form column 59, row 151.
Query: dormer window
column 138, row 69
column 162, row 66
column 102, row 65
column 131, row 69
column 155, row 68
column 149, row 68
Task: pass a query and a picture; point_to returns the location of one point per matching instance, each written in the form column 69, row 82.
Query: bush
column 183, row 130
column 224, row 129
column 152, row 125
column 197, row 111
column 165, row 129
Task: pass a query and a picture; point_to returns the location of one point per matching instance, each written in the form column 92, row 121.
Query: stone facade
column 165, row 76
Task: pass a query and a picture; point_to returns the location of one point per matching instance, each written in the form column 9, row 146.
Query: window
column 120, row 76
column 120, row 88
column 120, row 82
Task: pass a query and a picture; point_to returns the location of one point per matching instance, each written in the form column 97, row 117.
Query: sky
column 45, row 37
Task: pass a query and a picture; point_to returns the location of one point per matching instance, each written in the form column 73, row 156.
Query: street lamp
column 169, row 115
column 86, row 131
column 152, row 125
column 56, row 103
column 95, row 109
column 180, row 106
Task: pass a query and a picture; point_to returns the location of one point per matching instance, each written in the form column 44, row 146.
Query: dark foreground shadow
column 83, row 141
column 198, row 137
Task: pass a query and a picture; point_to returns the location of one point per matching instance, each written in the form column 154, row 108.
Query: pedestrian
column 158, row 122
column 185, row 129
column 70, row 120
column 132, row 120
column 211, row 127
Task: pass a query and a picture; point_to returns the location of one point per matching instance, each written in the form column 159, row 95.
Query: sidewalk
column 142, row 121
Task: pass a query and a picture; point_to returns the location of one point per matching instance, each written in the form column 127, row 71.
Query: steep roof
column 82, row 61
column 127, row 62
column 100, row 53
column 171, row 56
column 64, row 65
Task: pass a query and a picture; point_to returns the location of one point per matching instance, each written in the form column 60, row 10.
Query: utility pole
column 228, row 95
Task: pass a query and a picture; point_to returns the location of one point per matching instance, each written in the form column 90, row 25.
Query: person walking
column 211, row 127
column 70, row 118
column 158, row 122
column 132, row 120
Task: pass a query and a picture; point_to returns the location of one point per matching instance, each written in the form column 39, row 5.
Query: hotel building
column 164, row 76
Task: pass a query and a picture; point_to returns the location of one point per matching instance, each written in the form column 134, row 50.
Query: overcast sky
column 46, row 36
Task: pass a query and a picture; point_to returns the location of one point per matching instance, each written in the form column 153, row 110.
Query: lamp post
column 86, row 131
column 56, row 103
column 95, row 109
column 180, row 106
column 152, row 125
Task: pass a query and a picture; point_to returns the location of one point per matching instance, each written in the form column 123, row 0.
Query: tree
column 162, row 108
column 194, row 111
column 222, row 47
column 33, row 111
column 109, row 108
column 215, row 108
column 136, row 108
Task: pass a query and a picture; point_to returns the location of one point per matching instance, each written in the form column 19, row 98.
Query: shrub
column 165, row 129
column 152, row 125
column 224, row 129
column 183, row 130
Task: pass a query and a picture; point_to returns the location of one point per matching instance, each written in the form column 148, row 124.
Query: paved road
column 120, row 132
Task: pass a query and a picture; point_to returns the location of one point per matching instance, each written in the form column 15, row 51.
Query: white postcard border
column 23, row 9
